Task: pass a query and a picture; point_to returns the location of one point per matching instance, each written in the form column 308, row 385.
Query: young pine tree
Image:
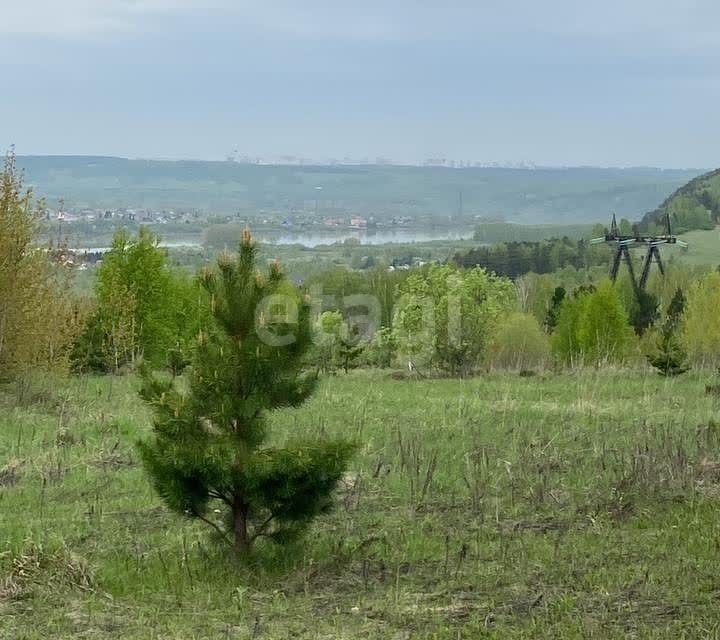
column 329, row 327
column 209, row 445
column 644, row 312
column 554, row 308
column 349, row 349
column 337, row 343
column 670, row 358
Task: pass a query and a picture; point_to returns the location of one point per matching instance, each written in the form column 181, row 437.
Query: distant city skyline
column 559, row 83
column 292, row 160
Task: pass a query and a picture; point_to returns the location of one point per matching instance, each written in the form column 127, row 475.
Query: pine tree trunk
column 243, row 543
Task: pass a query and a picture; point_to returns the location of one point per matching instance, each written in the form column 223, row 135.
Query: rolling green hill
column 518, row 195
column 693, row 206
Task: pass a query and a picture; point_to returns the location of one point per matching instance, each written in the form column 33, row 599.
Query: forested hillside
column 520, row 195
column 695, row 205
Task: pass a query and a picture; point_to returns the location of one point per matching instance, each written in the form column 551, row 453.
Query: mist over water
column 314, row 239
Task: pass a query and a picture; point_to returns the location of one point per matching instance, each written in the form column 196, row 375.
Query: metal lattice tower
column 623, row 244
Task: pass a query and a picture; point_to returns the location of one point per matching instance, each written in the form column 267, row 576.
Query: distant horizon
column 541, row 194
column 360, row 162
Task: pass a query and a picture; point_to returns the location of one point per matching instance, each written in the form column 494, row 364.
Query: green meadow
column 703, row 249
column 572, row 505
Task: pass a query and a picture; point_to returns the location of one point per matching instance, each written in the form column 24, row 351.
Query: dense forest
column 514, row 259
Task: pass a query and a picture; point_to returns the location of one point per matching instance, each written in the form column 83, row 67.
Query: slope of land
column 695, row 205
column 520, row 195
column 564, row 506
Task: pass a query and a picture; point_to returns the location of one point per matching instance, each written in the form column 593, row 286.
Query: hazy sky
column 564, row 82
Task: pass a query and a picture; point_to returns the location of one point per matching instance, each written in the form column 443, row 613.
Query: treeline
column 514, row 259
column 461, row 320
column 508, row 305
column 492, row 232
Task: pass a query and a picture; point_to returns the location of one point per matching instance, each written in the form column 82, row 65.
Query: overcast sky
column 564, row 82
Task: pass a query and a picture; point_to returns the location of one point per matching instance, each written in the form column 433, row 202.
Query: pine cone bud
column 225, row 261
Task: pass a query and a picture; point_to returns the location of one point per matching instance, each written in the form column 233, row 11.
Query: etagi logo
column 278, row 316
column 415, row 317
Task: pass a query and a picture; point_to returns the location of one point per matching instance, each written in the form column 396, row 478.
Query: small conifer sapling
column 209, row 448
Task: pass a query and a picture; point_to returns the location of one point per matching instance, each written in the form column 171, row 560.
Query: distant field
column 704, row 248
column 556, row 506
column 491, row 233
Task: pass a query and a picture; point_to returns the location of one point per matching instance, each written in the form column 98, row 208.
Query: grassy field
column 704, row 248
column 579, row 505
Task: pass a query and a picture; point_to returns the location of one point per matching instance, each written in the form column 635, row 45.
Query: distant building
column 358, row 222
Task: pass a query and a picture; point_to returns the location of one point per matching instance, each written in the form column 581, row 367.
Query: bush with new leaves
column 337, row 343
column 701, row 321
column 444, row 315
column 143, row 309
column 518, row 342
column 39, row 316
column 593, row 327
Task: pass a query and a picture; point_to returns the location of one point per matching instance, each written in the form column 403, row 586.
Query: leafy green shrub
column 381, row 350
column 519, row 343
column 445, row 315
column 593, row 327
column 144, row 310
column 701, row 320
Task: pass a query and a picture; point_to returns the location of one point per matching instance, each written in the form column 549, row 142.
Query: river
column 312, row 239
column 382, row 236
